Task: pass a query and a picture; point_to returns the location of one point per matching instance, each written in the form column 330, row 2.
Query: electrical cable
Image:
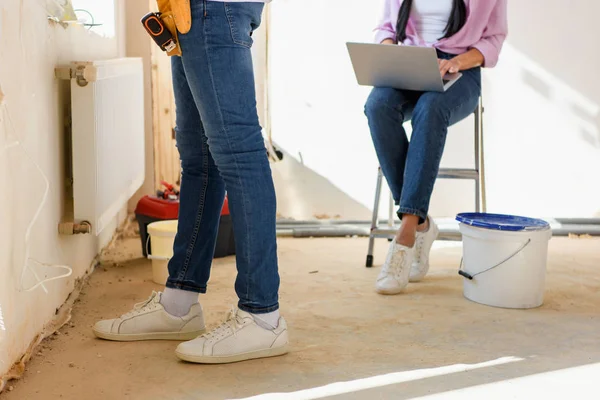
column 28, row 259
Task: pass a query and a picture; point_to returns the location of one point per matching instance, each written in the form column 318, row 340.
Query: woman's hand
column 449, row 66
column 388, row 41
column 471, row 59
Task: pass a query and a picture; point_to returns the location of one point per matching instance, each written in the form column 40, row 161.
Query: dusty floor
column 407, row 346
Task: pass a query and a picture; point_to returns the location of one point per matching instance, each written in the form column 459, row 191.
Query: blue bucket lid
column 502, row 222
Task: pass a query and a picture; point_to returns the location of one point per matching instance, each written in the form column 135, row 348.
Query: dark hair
column 457, row 19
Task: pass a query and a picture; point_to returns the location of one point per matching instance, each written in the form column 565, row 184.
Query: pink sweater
column 485, row 29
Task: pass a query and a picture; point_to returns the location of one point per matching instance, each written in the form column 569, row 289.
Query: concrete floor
column 429, row 342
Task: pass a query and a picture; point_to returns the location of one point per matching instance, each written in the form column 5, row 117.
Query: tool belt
column 176, row 15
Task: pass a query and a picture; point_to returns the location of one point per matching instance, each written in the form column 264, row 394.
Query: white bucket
column 504, row 265
column 161, row 235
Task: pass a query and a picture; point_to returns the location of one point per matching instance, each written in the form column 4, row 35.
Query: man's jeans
column 222, row 149
column 411, row 168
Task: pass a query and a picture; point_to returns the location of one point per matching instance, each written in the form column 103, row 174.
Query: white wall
column 543, row 137
column 33, row 112
column 542, row 103
column 316, row 106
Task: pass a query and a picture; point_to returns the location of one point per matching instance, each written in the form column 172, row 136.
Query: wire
column 471, row 276
column 28, row 259
column 91, row 24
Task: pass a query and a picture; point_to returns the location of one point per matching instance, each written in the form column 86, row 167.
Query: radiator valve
column 71, row 228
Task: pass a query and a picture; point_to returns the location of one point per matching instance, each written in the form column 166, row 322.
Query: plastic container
column 504, row 259
column 161, row 235
column 152, row 209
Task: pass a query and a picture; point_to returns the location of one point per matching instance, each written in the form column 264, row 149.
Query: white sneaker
column 149, row 321
column 393, row 277
column 239, row 338
column 423, row 243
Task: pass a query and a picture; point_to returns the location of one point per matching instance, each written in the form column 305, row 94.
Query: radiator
column 107, row 104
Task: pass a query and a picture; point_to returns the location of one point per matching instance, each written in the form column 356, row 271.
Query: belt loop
column 205, row 8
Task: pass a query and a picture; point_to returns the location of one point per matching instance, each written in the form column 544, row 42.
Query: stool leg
column 477, row 143
column 482, row 158
column 369, row 262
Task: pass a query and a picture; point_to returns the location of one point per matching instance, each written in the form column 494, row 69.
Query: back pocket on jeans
column 244, row 19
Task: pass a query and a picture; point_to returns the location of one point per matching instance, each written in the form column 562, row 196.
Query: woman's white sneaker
column 423, row 243
column 149, row 321
column 239, row 338
column 393, row 277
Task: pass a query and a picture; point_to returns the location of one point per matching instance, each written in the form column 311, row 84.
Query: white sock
column 178, row 302
column 268, row 321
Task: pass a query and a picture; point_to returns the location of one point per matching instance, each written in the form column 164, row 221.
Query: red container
column 157, row 208
column 152, row 209
column 225, row 210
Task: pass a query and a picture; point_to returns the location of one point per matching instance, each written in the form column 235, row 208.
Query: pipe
column 71, row 228
column 322, row 229
column 575, row 221
column 342, row 231
column 325, row 222
column 551, row 221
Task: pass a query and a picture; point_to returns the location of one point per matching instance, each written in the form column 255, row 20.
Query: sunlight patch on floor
column 381, row 380
column 576, row 382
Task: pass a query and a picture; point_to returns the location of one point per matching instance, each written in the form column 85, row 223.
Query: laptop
column 399, row 67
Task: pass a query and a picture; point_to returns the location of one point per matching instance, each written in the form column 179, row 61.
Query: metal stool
column 477, row 174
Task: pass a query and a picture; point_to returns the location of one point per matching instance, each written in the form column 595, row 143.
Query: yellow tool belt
column 177, row 17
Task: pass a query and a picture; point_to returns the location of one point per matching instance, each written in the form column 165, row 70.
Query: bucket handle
column 150, row 256
column 471, row 276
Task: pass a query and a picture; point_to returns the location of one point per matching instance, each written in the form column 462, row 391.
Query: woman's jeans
column 222, row 150
column 411, row 168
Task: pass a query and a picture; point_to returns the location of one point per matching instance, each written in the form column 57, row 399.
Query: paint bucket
column 504, row 259
column 161, row 236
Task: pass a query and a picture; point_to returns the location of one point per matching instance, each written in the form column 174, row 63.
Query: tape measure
column 159, row 32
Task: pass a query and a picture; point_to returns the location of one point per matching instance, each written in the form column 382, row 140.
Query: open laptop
column 399, row 67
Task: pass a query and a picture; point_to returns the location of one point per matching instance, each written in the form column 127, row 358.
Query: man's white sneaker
column 239, row 338
column 423, row 243
column 393, row 277
column 149, row 321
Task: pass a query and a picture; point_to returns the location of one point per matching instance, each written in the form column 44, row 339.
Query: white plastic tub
column 504, row 259
column 161, row 235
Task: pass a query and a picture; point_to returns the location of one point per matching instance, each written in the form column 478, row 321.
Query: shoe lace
column 231, row 324
column 143, row 306
column 395, row 265
column 419, row 248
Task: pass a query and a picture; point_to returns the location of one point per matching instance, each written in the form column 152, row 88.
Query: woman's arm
column 494, row 35
column 486, row 51
column 385, row 31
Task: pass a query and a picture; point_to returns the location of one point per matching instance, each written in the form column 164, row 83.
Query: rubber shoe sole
column 133, row 337
column 279, row 351
column 389, row 292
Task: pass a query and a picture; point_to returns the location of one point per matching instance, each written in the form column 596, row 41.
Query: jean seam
column 197, row 222
column 178, row 285
column 236, row 162
column 412, row 211
column 254, row 310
